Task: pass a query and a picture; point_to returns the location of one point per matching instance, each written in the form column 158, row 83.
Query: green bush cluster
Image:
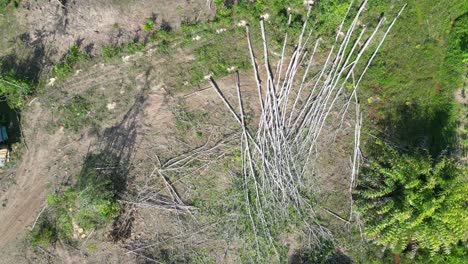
column 44, row 233
column 410, row 201
column 149, row 25
column 73, row 57
column 89, row 204
column 113, row 51
column 13, row 89
column 5, row 3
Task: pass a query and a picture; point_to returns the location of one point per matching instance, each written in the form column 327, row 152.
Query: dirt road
column 24, row 199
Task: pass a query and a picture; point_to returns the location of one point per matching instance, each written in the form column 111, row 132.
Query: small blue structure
column 3, row 134
column 3, row 148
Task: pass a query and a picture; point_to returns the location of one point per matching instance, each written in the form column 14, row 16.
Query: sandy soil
column 26, row 196
column 93, row 23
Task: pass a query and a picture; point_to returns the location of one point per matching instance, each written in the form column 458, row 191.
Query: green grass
column 414, row 76
column 88, row 110
column 44, row 233
column 112, row 52
column 90, row 203
column 411, row 83
column 72, row 58
column 5, row 3
column 149, row 25
column 75, row 114
column 14, row 88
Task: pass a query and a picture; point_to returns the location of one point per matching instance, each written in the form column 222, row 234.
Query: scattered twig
column 38, row 216
column 277, row 155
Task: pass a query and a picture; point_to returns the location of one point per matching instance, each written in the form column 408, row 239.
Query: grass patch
column 87, row 205
column 72, row 58
column 411, row 83
column 88, row 109
column 5, row 3
column 188, row 121
column 149, row 24
column 112, row 52
column 223, row 202
column 75, row 114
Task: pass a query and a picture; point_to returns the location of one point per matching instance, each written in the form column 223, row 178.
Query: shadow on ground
column 430, row 128
column 112, row 158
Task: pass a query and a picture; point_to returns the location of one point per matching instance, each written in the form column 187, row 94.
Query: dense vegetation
column 13, row 90
column 412, row 190
column 410, row 202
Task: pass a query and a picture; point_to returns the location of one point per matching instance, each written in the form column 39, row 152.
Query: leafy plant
column 44, row 233
column 5, row 3
column 411, row 202
column 89, row 204
column 149, row 24
column 75, row 113
column 13, row 90
column 70, row 60
column 110, row 52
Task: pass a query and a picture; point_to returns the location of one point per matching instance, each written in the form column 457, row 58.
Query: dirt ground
column 140, row 128
column 52, row 154
column 142, row 124
column 93, row 23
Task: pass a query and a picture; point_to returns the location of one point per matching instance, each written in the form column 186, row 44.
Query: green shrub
column 5, row 3
column 64, row 224
column 149, row 25
column 113, row 51
column 69, row 62
column 14, row 89
column 44, row 233
column 53, row 199
column 89, row 204
column 410, row 201
column 110, row 51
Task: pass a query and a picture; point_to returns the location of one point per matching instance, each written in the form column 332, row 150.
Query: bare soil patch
column 93, row 23
column 144, row 121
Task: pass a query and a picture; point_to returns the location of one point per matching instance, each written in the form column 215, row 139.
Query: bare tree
column 295, row 104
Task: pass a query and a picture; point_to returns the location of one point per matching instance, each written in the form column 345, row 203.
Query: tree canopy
column 410, row 201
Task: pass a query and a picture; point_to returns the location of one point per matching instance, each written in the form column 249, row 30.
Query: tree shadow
column 310, row 256
column 430, row 128
column 165, row 26
column 24, row 63
column 112, row 160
